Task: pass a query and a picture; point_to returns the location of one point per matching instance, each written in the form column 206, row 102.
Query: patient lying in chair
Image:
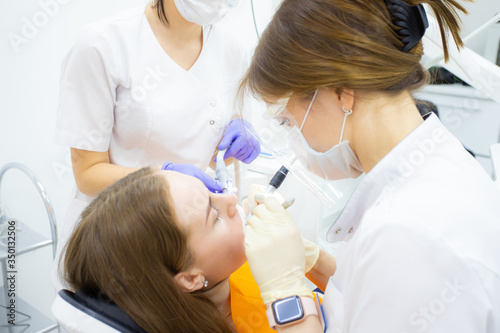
column 162, row 248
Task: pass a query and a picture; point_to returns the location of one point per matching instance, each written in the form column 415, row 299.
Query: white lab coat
column 121, row 92
column 422, row 243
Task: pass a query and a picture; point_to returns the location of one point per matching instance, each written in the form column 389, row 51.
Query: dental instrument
column 274, row 184
column 277, row 180
column 222, row 174
column 288, row 203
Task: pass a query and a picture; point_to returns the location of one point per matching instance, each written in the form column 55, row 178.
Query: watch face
column 288, row 310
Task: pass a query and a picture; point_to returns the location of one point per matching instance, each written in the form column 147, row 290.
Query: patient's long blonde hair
column 128, row 248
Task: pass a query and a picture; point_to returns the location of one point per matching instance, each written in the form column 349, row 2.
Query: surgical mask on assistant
column 204, row 12
column 339, row 162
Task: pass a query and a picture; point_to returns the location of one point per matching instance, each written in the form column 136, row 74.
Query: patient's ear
column 189, row 281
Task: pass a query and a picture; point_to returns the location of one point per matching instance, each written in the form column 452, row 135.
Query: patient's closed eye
column 218, row 215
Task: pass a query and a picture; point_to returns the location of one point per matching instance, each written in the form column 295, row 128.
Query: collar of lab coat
column 395, row 168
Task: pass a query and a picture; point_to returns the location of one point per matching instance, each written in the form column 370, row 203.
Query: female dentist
column 422, row 230
column 150, row 85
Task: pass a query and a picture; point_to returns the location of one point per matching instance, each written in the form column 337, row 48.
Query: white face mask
column 339, row 162
column 204, row 12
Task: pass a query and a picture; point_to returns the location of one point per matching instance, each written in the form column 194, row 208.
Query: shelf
column 35, row 323
column 457, row 90
column 26, row 240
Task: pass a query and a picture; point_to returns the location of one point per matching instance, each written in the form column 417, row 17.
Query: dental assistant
column 421, row 250
column 151, row 86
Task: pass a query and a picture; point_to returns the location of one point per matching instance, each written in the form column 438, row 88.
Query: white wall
column 29, row 92
column 32, row 46
column 480, row 11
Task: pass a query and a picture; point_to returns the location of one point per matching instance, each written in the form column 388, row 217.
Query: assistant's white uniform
column 422, row 243
column 121, row 92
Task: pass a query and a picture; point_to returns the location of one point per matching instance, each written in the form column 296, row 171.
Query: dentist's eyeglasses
column 279, row 114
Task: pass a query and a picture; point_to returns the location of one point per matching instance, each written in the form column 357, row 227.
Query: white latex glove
column 275, row 251
column 249, row 203
column 311, row 252
column 311, row 249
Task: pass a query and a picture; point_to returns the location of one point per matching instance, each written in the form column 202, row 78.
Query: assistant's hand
column 191, row 170
column 244, row 146
column 275, row 251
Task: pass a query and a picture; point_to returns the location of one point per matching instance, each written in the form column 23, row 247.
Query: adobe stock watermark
column 486, row 86
column 31, row 26
column 150, row 81
column 197, row 206
column 422, row 318
column 92, row 139
column 99, row 136
column 460, row 113
column 407, row 166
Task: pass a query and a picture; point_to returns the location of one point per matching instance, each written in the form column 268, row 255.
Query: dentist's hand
column 191, row 170
column 250, row 203
column 312, row 254
column 275, row 251
column 311, row 249
column 244, row 146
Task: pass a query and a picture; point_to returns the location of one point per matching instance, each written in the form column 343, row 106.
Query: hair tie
column 411, row 20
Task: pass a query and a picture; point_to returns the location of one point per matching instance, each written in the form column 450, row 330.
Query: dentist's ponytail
column 445, row 12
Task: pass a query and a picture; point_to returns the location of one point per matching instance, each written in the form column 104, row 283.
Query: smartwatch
column 290, row 310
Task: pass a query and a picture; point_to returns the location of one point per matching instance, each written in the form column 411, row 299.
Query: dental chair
column 82, row 312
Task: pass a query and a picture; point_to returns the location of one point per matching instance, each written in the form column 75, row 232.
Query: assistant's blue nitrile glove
column 191, row 170
column 244, row 146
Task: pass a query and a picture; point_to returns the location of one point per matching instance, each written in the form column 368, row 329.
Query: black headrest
column 101, row 309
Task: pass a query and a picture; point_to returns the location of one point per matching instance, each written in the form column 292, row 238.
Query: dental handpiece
column 277, row 180
column 274, row 184
column 222, row 174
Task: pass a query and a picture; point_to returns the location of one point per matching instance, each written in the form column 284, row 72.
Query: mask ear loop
column 308, row 109
column 343, row 124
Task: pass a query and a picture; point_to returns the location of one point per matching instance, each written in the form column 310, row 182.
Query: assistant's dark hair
column 160, row 10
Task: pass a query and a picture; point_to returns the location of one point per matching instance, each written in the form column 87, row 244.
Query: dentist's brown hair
column 341, row 44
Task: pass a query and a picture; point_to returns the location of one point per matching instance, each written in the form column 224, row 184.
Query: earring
column 205, row 283
column 347, row 112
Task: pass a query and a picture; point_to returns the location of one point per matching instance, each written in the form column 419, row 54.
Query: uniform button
column 338, row 231
column 213, row 103
column 212, row 122
column 351, row 230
